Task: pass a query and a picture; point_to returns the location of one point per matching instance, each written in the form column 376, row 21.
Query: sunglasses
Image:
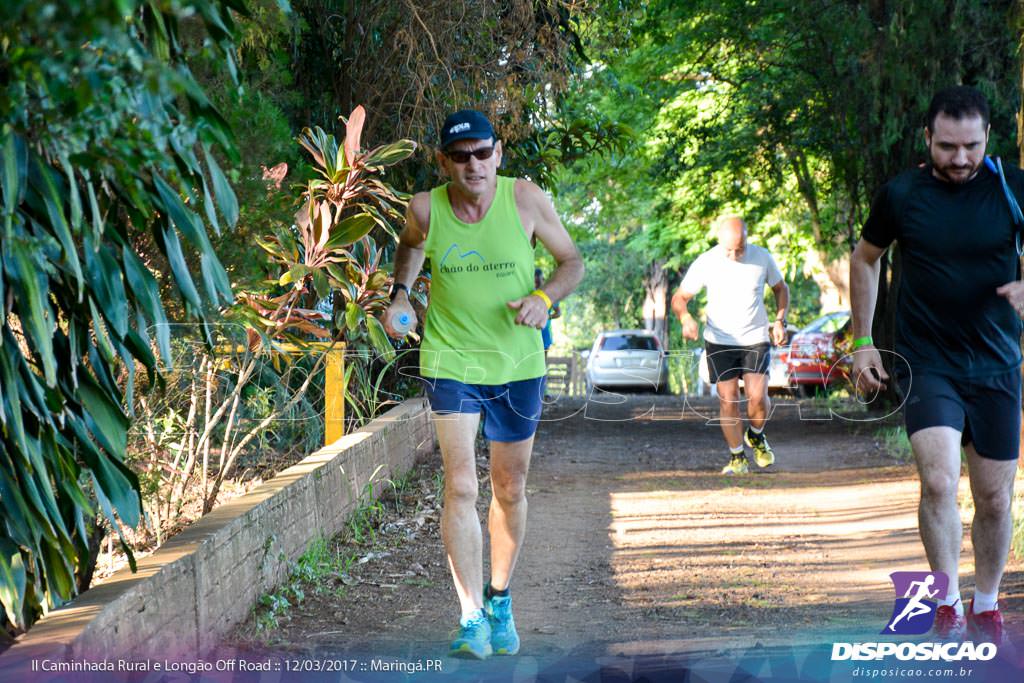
column 461, row 156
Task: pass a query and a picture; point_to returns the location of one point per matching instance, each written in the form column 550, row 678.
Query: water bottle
column 401, row 322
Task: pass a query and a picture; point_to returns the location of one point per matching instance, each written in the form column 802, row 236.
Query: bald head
column 732, row 236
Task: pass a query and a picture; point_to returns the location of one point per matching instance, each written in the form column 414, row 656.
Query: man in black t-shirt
column 957, row 343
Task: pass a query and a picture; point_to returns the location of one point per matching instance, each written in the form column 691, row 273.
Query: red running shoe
column 950, row 625
column 987, row 626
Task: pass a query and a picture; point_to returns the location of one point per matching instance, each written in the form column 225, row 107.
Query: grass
column 895, row 442
column 364, row 522
column 368, row 516
column 439, row 482
column 323, row 568
column 321, row 561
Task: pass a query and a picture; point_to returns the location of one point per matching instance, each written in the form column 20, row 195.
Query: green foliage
column 252, row 402
column 894, row 441
column 108, row 149
column 363, row 523
column 269, row 161
column 322, row 562
column 610, row 296
column 328, row 250
column 331, row 256
column 375, row 381
column 791, row 114
column 413, row 63
column 328, row 562
column 221, row 410
column 564, row 142
column 818, row 101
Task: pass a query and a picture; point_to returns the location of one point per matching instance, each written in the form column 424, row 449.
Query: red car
column 818, row 354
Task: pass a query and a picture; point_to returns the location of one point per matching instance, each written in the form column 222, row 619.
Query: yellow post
column 334, row 382
column 334, row 395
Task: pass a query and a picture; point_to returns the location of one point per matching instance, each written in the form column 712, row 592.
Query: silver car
column 627, row 358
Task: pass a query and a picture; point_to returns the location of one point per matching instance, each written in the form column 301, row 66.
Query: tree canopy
column 790, row 114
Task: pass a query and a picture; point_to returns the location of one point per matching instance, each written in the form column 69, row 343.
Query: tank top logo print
column 455, row 262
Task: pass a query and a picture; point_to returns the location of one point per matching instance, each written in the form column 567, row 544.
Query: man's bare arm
column 553, row 235
column 868, row 373
column 532, row 309
column 409, row 258
column 778, row 329
column 864, row 270
column 680, row 301
column 409, row 255
column 781, row 291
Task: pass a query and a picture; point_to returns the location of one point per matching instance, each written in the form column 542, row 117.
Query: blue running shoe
column 504, row 639
column 474, row 639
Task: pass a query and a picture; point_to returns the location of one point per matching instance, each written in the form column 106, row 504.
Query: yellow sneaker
column 737, row 465
column 763, row 454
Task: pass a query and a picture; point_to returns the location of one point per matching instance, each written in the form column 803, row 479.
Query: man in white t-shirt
column 736, row 334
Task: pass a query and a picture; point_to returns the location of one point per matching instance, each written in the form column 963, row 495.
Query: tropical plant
column 107, row 144
column 211, row 420
column 327, row 250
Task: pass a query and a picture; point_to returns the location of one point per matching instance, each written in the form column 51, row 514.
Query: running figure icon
column 916, row 606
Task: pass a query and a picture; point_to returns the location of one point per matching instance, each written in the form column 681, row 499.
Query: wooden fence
column 566, row 376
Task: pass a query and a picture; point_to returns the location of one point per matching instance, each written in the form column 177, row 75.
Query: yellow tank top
column 470, row 333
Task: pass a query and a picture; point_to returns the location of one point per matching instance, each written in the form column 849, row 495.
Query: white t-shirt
column 735, row 312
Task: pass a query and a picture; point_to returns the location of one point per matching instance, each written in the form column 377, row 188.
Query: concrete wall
column 201, row 583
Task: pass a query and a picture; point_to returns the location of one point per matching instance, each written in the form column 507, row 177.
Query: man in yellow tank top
column 481, row 354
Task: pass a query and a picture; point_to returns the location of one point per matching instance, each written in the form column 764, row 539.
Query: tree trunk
column 836, row 291
column 656, row 300
column 94, row 542
column 832, row 278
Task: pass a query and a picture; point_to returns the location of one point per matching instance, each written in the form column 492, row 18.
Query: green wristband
column 862, row 341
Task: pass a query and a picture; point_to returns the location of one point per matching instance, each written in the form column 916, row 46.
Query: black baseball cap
column 467, row 124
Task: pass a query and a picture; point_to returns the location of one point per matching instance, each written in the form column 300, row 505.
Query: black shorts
column 729, row 362
column 986, row 411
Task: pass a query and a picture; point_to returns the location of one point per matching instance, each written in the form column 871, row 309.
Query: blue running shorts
column 510, row 411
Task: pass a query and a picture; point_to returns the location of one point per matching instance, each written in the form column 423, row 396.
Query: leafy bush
column 108, row 146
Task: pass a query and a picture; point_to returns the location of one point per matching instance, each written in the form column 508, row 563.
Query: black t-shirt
column 956, row 247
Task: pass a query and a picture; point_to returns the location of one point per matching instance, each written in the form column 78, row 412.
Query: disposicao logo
column 917, row 596
column 914, row 612
column 917, row 652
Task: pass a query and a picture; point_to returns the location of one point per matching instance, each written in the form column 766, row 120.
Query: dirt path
column 637, row 546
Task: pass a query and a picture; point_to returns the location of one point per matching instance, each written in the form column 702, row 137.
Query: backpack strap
column 1011, row 201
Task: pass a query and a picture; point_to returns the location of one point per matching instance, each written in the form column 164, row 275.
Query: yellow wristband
column 542, row 295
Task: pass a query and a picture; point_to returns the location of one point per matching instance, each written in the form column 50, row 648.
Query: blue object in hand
column 402, row 323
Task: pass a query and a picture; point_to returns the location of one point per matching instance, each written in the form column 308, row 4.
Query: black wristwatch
column 395, row 289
